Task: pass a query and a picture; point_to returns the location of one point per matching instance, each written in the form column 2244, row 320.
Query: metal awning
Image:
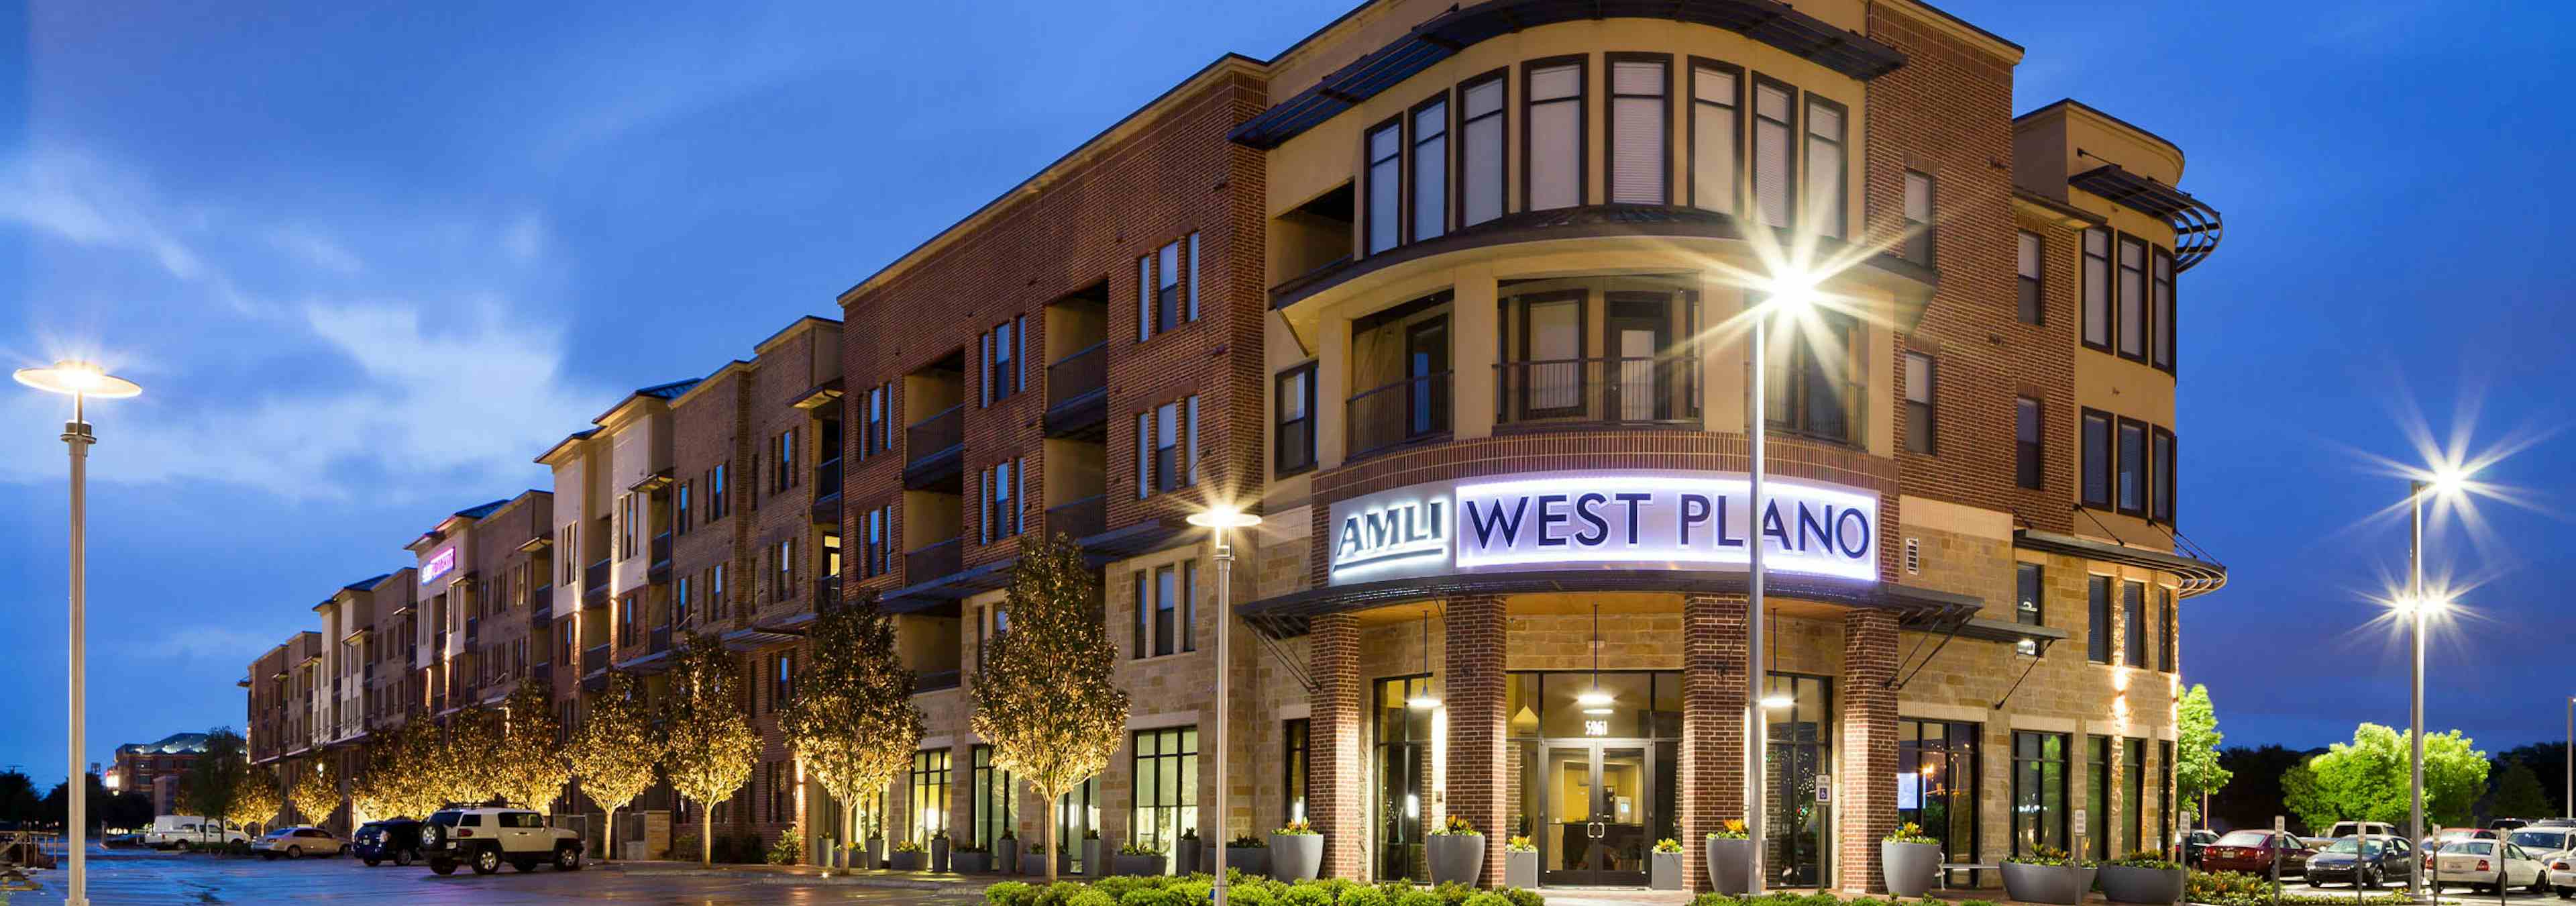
column 1768, row 21
column 2196, row 224
column 2199, row 577
column 1290, row 615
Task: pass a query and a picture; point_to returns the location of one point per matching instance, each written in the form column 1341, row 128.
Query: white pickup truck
column 191, row 832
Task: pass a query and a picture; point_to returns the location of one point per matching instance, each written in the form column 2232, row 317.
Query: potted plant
column 2047, row 875
column 1137, row 860
column 1665, row 868
column 1248, row 854
column 1185, row 853
column 1730, row 858
column 1092, row 864
column 1911, row 860
column 873, row 854
column 970, row 859
column 1520, row 862
column 1296, row 852
column 1033, row 859
column 2143, row 877
column 1006, row 853
column 907, row 856
column 939, row 851
column 1456, row 852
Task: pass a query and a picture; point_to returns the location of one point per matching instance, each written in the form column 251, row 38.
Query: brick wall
column 1337, row 798
column 1473, row 696
column 1714, row 693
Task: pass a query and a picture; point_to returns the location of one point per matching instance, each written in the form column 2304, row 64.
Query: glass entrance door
column 1601, row 807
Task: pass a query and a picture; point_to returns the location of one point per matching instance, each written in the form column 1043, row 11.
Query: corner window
column 1827, row 191
column 2097, row 288
column 1771, row 136
column 1480, row 150
column 1430, row 169
column 2027, row 449
column 2160, row 307
column 1919, row 424
column 2164, row 477
column 1918, row 217
column 1716, row 129
column 1552, row 148
column 1294, row 435
column 2133, row 624
column 1640, row 129
column 2028, row 269
column 2132, row 467
column 1384, row 220
column 2132, row 306
column 2097, row 459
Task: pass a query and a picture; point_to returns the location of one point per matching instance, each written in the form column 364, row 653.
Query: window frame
column 1841, row 141
column 1924, row 246
column 2126, row 309
column 2037, row 593
column 2030, row 457
column 1502, row 188
column 1735, row 112
column 2161, row 349
column 1930, row 415
column 1582, row 100
column 2085, row 262
column 1184, row 811
column 1281, row 464
column 1610, row 121
column 2121, row 465
column 1753, row 154
column 2109, row 470
column 2032, row 310
column 2160, row 473
column 2097, row 617
column 1411, row 152
column 2133, row 624
column 1368, row 186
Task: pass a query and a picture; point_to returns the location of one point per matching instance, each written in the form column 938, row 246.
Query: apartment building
column 153, row 768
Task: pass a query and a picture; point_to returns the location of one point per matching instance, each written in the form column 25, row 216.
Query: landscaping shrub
column 1094, row 897
column 1007, row 893
column 1361, row 895
column 1306, row 895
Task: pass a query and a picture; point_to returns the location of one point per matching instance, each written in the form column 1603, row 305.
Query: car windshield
column 2242, row 838
column 2470, row 847
column 2552, row 840
column 2347, row 845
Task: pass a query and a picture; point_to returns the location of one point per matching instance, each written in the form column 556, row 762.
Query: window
column 680, row 511
column 717, row 601
column 1480, row 149
column 2039, row 791
column 783, row 581
column 2031, row 312
column 626, row 620
column 1296, row 767
column 2097, row 288
column 1809, row 391
column 2133, row 619
column 1167, row 286
column 1003, row 372
column 2132, row 467
column 782, row 687
column 1294, row 435
column 1167, row 610
column 1826, row 190
column 2097, row 458
column 1384, row 221
column 873, row 554
column 1167, row 441
column 1430, row 169
column 717, row 507
column 1640, row 129
column 1771, row 151
column 2028, row 608
column 1166, row 772
column 1918, row 217
column 1716, row 128
column 1160, row 305
column 1919, row 419
column 2132, row 306
column 2164, row 477
column 1552, row 143
column 872, row 423
column 2097, row 631
column 2164, row 794
column 628, row 523
column 784, row 476
column 2027, row 447
column 929, row 795
column 680, row 601
column 2133, row 770
column 1004, row 512
column 2160, row 308
column 2097, row 800
column 992, row 800
column 2166, row 631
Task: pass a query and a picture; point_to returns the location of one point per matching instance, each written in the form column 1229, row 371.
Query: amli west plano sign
column 1604, row 520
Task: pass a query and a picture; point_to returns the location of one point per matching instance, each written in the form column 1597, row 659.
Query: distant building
column 140, row 767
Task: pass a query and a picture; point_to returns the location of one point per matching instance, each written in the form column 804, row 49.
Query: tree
column 852, row 720
column 469, row 763
column 212, row 781
column 2367, row 779
column 316, row 790
column 612, row 752
column 532, row 768
column 707, row 743
column 2196, row 767
column 2255, row 793
column 18, row 799
column 2518, row 793
column 2548, row 762
column 1045, row 698
column 254, row 799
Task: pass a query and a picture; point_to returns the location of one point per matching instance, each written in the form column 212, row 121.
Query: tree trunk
column 706, row 835
column 1047, row 827
column 609, row 834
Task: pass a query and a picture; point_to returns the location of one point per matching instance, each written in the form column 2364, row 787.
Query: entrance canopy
column 1288, row 616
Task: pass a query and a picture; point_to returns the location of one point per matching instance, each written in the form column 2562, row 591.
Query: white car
column 2348, row 828
column 2555, row 845
column 298, row 842
column 191, row 832
column 487, row 837
column 2478, row 864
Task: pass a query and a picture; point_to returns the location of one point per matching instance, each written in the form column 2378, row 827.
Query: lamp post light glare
column 1217, row 520
column 1790, row 292
column 2443, row 480
column 80, row 381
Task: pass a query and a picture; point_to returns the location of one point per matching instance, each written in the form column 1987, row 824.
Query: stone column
column 1866, row 781
column 1714, row 656
column 1336, row 790
column 1473, row 693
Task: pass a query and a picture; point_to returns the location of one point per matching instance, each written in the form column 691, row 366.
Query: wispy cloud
column 221, row 644
column 77, row 200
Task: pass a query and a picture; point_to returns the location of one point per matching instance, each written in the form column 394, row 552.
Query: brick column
column 1866, row 781
column 1472, row 692
column 1714, row 656
column 1336, row 787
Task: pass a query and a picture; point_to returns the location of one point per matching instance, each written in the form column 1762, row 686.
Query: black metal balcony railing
column 827, row 478
column 661, row 549
column 1620, row 391
column 594, row 659
column 1085, row 371
column 935, row 680
column 658, row 641
column 541, row 598
column 827, row 593
column 594, row 578
column 933, row 561
column 1398, row 413
column 937, row 434
column 1079, row 518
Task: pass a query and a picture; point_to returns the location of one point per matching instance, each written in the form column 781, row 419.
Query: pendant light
column 1593, row 700
column 1424, row 700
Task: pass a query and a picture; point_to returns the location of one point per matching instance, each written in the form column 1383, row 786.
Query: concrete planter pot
column 1034, row 865
column 1124, row 865
column 1253, row 861
column 966, row 863
column 939, row 854
column 2126, row 884
column 1910, row 867
column 1730, row 865
column 872, row 855
column 2061, row 884
column 915, row 860
column 1296, row 857
column 1664, row 871
column 1456, row 857
column 1093, row 866
column 1006, row 855
column 1188, row 853
column 1520, row 869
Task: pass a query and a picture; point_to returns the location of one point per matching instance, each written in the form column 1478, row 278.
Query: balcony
column 935, row 680
column 1078, row 393
column 827, row 492
column 937, row 447
column 827, row 593
column 934, row 561
column 594, row 584
column 1079, row 518
column 473, row 630
column 658, row 640
column 594, row 659
column 659, row 568
column 1407, row 411
column 1612, row 391
column 542, row 598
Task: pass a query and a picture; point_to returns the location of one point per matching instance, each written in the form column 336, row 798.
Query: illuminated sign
column 1605, row 520
column 440, row 564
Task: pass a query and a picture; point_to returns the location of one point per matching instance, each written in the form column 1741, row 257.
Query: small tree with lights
column 1044, row 697
column 613, row 749
column 852, row 721
column 254, row 799
column 532, row 767
column 707, row 743
column 316, row 789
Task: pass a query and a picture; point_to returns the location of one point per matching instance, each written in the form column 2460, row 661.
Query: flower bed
column 1192, row 890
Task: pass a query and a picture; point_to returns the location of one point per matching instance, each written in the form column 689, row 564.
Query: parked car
column 2187, row 850
column 2562, row 876
column 2476, row 864
column 2363, row 861
column 487, row 837
column 2506, row 824
column 394, row 839
column 2543, row 842
column 2373, row 828
column 2255, row 851
column 2555, row 822
column 191, row 832
column 298, row 842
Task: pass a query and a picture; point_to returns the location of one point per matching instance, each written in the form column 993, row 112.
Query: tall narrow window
column 1143, row 583
column 2133, row 624
column 1167, row 287
column 2097, row 288
column 2039, row 791
column 992, row 801
column 1144, row 298
column 2160, row 308
column 1003, row 377
column 2097, row 784
column 1167, row 600
column 1430, row 169
column 1826, row 190
column 929, row 795
column 2027, row 591
column 1166, row 773
column 1167, row 447
column 2166, row 631
column 1919, row 416
column 1295, row 432
column 1384, row 220
column 2133, row 773
column 2027, row 448
column 2133, row 299
column 1918, row 217
column 1480, row 150
column 1552, row 145
column 2164, row 472
column 1771, row 134
column 2132, row 467
column 1192, row 307
column 1640, row 130
column 2028, row 264
column 1144, row 454
column 1716, row 127
column 2097, row 459
column 2097, row 626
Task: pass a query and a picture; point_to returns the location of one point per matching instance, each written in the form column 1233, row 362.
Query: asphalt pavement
column 120, row 877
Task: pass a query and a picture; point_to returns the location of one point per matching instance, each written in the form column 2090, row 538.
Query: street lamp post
column 2415, row 703
column 79, row 380
column 1216, row 521
column 1789, row 293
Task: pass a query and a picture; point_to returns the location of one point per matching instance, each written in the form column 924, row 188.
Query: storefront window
column 1403, row 776
column 2097, row 802
column 1167, row 785
column 1937, row 786
column 2039, row 791
column 1297, row 765
column 992, row 798
column 929, row 794
column 1797, row 850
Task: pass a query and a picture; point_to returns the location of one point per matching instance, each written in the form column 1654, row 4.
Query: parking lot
column 163, row 878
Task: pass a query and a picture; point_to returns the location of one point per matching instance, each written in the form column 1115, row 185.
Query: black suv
column 394, row 839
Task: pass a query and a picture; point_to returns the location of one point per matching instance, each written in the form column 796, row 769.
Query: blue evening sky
column 368, row 259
